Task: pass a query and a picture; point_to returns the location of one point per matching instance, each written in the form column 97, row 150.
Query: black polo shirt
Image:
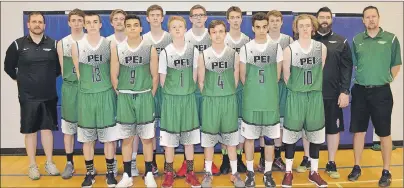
column 337, row 71
column 34, row 67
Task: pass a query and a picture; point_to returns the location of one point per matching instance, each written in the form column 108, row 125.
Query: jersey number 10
column 308, row 77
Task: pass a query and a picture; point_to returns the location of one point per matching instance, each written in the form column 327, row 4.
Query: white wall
column 12, row 13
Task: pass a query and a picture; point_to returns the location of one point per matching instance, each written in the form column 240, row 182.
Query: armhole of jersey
column 165, row 51
column 203, row 58
column 117, row 53
column 78, row 52
column 151, row 48
column 245, row 49
column 291, row 55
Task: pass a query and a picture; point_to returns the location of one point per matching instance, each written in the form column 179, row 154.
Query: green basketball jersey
column 306, row 71
column 200, row 42
column 284, row 41
column 260, row 91
column 69, row 71
column 160, row 44
column 94, row 66
column 179, row 78
column 236, row 45
column 219, row 72
column 134, row 67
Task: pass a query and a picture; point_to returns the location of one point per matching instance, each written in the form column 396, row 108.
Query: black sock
column 262, row 152
column 90, row 166
column 169, row 167
column 154, row 157
column 69, row 157
column 277, row 152
column 148, row 167
column 110, row 165
column 127, row 168
column 190, row 165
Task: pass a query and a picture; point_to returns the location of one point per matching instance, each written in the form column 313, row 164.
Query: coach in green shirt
column 378, row 61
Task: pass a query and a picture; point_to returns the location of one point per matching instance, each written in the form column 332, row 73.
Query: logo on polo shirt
column 381, row 42
column 47, row 49
column 332, row 41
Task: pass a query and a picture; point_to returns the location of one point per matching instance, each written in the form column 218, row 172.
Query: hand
column 116, row 91
column 343, row 100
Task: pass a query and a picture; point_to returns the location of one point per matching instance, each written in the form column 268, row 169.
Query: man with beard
column 336, row 85
column 378, row 61
column 32, row 61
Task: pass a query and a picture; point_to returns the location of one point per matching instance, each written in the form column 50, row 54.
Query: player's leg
column 261, row 163
column 306, row 162
column 158, row 99
column 241, row 168
column 360, row 114
column 278, row 162
column 314, row 130
column 69, row 125
column 225, row 167
column 135, row 171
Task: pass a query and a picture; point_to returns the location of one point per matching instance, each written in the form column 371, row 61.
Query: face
column 133, row 28
column 118, row 21
column 371, row 19
column 235, row 20
column 155, row 18
column 177, row 29
column 76, row 22
column 304, row 28
column 218, row 34
column 92, row 24
column 198, row 18
column 274, row 23
column 325, row 20
column 36, row 25
column 260, row 28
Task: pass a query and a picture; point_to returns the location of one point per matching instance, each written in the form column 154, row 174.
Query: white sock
column 314, row 165
column 268, row 166
column 233, row 165
column 309, row 158
column 289, row 164
column 134, row 154
column 208, row 166
column 250, row 165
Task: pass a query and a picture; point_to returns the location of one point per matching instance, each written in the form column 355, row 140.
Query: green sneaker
column 304, row 165
column 33, row 172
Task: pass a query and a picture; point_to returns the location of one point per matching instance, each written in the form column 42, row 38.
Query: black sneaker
column 250, row 179
column 331, row 169
column 385, row 180
column 225, row 167
column 304, row 165
column 89, row 180
column 268, row 180
column 355, row 173
column 261, row 165
column 241, row 168
column 110, row 179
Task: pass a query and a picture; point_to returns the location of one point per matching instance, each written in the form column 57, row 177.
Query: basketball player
column 218, row 77
column 69, row 86
column 96, row 97
column 117, row 19
column 261, row 61
column 199, row 37
column 275, row 22
column 160, row 39
column 304, row 111
column 235, row 39
column 179, row 116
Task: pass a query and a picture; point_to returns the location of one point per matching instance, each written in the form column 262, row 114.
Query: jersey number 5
column 220, row 82
column 261, row 73
column 96, row 74
column 132, row 77
column 308, row 78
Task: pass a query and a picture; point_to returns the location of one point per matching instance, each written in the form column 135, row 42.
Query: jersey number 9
column 96, row 74
column 132, row 77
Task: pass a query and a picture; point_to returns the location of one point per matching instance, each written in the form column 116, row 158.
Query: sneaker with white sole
column 149, row 180
column 68, row 172
column 33, row 172
column 51, row 169
column 126, row 181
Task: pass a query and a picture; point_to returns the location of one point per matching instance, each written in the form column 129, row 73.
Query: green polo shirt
column 374, row 57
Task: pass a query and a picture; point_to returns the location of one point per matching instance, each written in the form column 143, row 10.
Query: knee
column 268, row 141
column 314, row 150
column 147, row 141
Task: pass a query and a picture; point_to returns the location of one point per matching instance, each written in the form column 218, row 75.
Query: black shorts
column 375, row 103
column 334, row 119
column 38, row 115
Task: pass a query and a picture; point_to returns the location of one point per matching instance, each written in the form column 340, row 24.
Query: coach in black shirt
column 32, row 61
column 337, row 75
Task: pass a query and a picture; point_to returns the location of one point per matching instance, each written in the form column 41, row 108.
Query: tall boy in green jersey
column 160, row 39
column 303, row 63
column 218, row 77
column 134, row 77
column 261, row 62
column 179, row 116
column 96, row 97
column 235, row 39
column 70, row 86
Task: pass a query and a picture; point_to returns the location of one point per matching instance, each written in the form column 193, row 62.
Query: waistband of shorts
column 134, row 92
column 372, row 86
column 70, row 83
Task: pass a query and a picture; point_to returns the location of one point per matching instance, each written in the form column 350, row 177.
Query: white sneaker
column 126, row 181
column 115, row 168
column 134, row 170
column 149, row 180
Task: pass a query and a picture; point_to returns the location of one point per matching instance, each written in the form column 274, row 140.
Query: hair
column 275, row 13
column 215, row 23
column 314, row 24
column 36, row 13
column 133, row 17
column 116, row 11
column 92, row 14
column 179, row 18
column 258, row 17
column 76, row 12
column 324, row 9
column 370, row 7
column 196, row 7
column 233, row 9
column 154, row 7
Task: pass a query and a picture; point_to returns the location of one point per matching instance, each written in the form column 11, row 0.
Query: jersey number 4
column 220, row 82
column 308, row 77
column 96, row 74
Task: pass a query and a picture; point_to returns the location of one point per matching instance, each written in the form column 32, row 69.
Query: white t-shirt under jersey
column 170, row 49
column 261, row 48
